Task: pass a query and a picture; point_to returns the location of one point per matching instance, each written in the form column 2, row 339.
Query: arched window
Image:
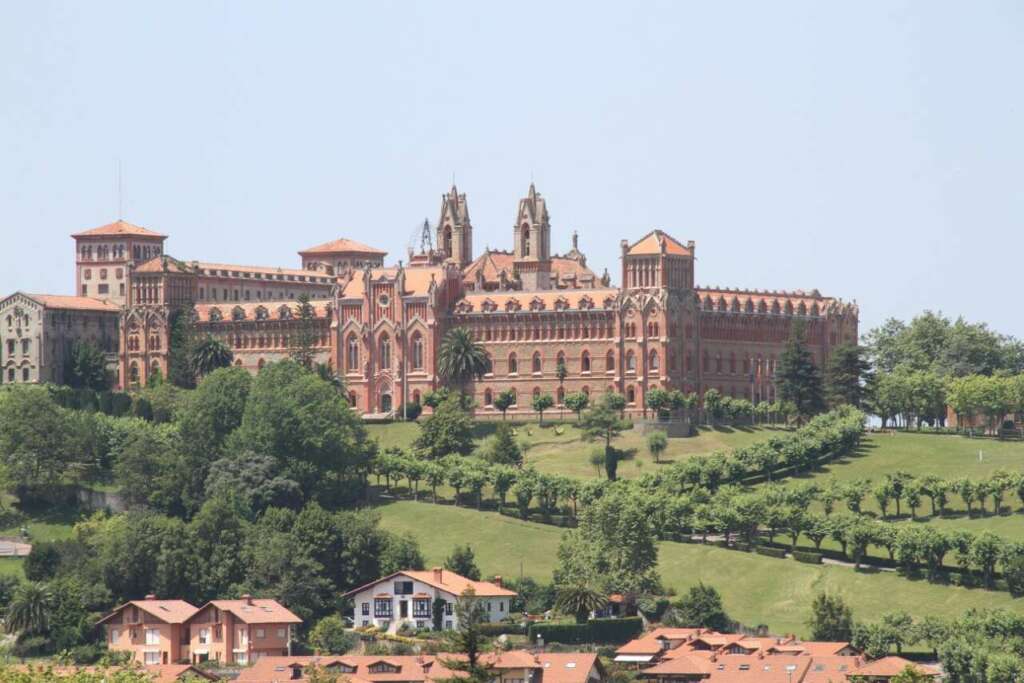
column 718, row 363
column 526, row 240
column 560, row 360
column 732, row 363
column 585, row 391
column 513, row 364
column 384, row 351
column 352, row 357
column 417, row 351
column 260, row 364
column 448, row 240
column 560, row 400
column 585, row 362
column 238, row 362
column 352, row 398
column 515, row 397
column 536, row 392
column 654, row 364
column 609, row 361
column 488, row 397
column 488, row 365
column 536, row 361
column 630, row 361
column 630, row 395
column 416, row 396
column 133, row 373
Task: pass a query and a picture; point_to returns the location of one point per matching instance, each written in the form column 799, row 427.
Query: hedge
column 492, row 630
column 594, row 631
column 808, row 557
column 770, row 551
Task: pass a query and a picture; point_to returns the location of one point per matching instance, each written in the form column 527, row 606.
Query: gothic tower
column 454, row 231
column 533, row 242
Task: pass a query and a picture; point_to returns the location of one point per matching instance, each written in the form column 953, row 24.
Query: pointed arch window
column 488, row 397
column 513, row 364
column 384, row 351
column 417, row 351
column 526, row 240
column 585, row 362
column 654, row 364
column 537, row 364
column 630, row 395
column 609, row 362
column 630, row 361
column 352, row 353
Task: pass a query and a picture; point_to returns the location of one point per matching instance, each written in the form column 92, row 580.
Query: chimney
column 438, row 574
column 497, row 582
column 247, row 598
column 150, row 596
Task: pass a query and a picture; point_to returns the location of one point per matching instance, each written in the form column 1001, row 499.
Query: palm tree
column 210, row 354
column 29, row 609
column 325, row 372
column 579, row 599
column 461, row 359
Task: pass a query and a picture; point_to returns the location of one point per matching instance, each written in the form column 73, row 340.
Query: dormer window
column 238, row 313
column 215, row 315
column 261, row 313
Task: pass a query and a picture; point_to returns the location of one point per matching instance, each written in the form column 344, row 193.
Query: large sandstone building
column 380, row 327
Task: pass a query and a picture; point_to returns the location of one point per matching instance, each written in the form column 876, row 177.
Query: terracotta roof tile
column 830, row 669
column 650, row 244
column 74, row 303
column 550, row 298
column 450, row 582
column 679, row 666
column 892, row 666
column 119, row 228
column 257, row 611
column 168, row 611
column 163, row 264
column 342, row 245
column 263, row 270
column 207, row 312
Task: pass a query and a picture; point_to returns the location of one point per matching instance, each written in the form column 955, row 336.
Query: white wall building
column 408, row 597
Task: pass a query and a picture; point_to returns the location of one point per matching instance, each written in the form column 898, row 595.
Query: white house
column 408, row 597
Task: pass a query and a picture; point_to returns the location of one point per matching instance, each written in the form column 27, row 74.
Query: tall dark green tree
column 86, row 367
column 461, row 359
column 462, row 561
column 181, row 371
column 831, row 619
column 846, row 375
column 603, row 422
column 701, row 607
column 304, row 341
column 798, row 379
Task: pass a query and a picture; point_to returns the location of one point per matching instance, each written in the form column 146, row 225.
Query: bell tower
column 533, row 241
column 454, row 230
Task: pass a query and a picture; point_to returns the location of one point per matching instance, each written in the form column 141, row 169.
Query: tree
column 505, row 400
column 577, row 402
column 660, row 401
column 461, row 359
column 657, row 442
column 712, row 400
column 253, row 479
column 602, row 421
column 326, row 372
column 306, row 336
column 542, row 402
column 797, row 377
column 504, row 449
column 303, row 423
column 469, row 639
column 180, row 368
column 331, row 637
column 845, row 374
column 29, row 610
column 462, row 561
column 85, row 367
column 147, row 465
column 701, row 606
column 561, row 372
column 831, row 618
column 448, row 430
column 210, row 354
column 579, row 599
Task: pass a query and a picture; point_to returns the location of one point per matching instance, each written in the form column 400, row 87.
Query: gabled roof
column 73, row 303
column 652, row 642
column 119, row 228
column 683, row 665
column 256, row 611
column 887, row 667
column 342, row 245
column 651, row 243
column 449, row 581
column 163, row 264
column 168, row 611
column 830, row 668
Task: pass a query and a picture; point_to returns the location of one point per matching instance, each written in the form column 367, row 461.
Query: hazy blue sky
column 874, row 150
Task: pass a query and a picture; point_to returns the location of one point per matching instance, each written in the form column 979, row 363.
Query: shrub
column 492, row 630
column 769, row 551
column 808, row 557
column 594, row 631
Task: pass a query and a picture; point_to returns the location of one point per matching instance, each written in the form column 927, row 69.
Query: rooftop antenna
column 120, row 192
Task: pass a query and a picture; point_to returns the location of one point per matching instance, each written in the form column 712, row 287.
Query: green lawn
column 755, row 589
column 568, row 454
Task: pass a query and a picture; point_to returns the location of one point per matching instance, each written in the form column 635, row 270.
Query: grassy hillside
column 569, row 454
column 756, row 589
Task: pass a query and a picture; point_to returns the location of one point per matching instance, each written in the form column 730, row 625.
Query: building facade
column 407, row 597
column 380, row 327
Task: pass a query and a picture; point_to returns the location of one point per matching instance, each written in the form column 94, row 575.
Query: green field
column 755, row 589
column 568, row 454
